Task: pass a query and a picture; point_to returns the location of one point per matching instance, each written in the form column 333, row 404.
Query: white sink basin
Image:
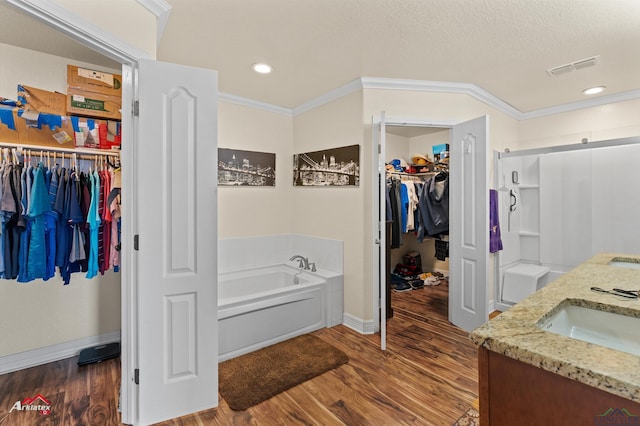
column 621, row 262
column 614, row 331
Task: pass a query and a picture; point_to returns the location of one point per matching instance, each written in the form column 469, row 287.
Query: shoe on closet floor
column 400, row 287
column 416, row 284
column 431, row 281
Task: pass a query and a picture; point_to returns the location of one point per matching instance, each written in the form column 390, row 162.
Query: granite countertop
column 514, row 333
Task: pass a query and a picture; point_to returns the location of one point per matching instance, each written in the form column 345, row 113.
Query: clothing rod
column 89, row 151
column 573, row 147
column 418, row 174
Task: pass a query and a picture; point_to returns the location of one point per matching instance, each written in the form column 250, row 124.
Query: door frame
column 59, row 18
column 378, row 235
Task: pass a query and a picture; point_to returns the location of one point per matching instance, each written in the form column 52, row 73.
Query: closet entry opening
column 417, row 231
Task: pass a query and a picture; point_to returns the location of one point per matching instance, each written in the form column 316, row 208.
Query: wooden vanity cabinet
column 515, row 393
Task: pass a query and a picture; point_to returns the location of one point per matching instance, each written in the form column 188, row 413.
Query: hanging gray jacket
column 434, row 206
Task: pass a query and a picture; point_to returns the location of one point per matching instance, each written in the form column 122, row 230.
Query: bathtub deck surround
column 514, row 350
column 237, row 254
column 267, row 295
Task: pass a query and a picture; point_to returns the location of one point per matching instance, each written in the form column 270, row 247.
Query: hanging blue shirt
column 38, row 206
column 93, row 219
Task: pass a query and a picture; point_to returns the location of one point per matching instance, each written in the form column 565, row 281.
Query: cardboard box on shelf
column 8, row 124
column 44, row 129
column 110, row 136
column 440, row 152
column 34, row 99
column 91, row 104
column 86, row 132
column 96, row 133
column 439, row 149
column 87, row 80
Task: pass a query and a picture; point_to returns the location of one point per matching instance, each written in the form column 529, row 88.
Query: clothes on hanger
column 417, row 206
column 495, row 240
column 434, row 206
column 395, row 206
column 46, row 220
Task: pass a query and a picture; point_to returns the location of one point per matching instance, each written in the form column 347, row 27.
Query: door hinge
column 136, row 376
column 135, row 108
column 135, row 242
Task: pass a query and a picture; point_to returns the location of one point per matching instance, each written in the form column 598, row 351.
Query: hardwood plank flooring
column 427, row 376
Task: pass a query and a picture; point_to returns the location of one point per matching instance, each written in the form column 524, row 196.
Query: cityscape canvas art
column 246, row 168
column 331, row 167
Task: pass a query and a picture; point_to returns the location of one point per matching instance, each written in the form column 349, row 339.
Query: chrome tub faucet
column 303, row 263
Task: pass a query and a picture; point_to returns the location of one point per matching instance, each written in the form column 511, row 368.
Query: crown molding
column 80, row 30
column 239, row 100
column 588, row 103
column 441, row 87
column 460, row 88
column 347, row 89
column 162, row 10
column 429, row 86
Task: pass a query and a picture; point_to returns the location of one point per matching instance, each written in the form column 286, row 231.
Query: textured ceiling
column 502, row 46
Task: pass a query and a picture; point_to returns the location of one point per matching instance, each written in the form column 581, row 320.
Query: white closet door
column 469, row 224
column 380, row 243
column 177, row 275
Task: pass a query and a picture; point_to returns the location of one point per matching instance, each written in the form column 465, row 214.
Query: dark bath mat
column 257, row 376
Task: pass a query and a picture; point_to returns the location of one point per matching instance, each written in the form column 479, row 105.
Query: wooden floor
column 427, row 376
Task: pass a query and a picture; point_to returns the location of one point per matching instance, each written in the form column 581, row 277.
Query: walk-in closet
column 65, row 294
column 417, row 175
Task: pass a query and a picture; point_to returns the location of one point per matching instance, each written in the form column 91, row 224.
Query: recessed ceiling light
column 262, row 68
column 593, row 90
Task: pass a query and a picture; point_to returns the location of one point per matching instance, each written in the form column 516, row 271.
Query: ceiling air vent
column 577, row 65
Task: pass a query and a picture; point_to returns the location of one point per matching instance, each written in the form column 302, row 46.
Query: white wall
column 131, row 21
column 40, row 314
column 254, row 211
column 604, row 122
column 397, row 147
column 332, row 212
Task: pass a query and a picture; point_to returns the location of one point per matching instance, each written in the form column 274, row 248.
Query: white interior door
column 469, row 224
column 177, row 260
column 380, row 243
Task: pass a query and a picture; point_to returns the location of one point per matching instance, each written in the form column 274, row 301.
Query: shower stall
column 561, row 205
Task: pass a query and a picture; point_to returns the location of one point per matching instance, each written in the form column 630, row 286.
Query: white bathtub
column 263, row 306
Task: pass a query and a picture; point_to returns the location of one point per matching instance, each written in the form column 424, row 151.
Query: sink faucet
column 303, row 263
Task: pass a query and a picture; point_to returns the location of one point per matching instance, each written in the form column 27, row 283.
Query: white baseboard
column 502, row 307
column 358, row 324
column 22, row 360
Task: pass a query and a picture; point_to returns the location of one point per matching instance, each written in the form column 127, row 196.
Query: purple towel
column 495, row 242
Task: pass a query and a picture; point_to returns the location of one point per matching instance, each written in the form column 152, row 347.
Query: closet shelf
column 413, row 174
column 90, row 151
